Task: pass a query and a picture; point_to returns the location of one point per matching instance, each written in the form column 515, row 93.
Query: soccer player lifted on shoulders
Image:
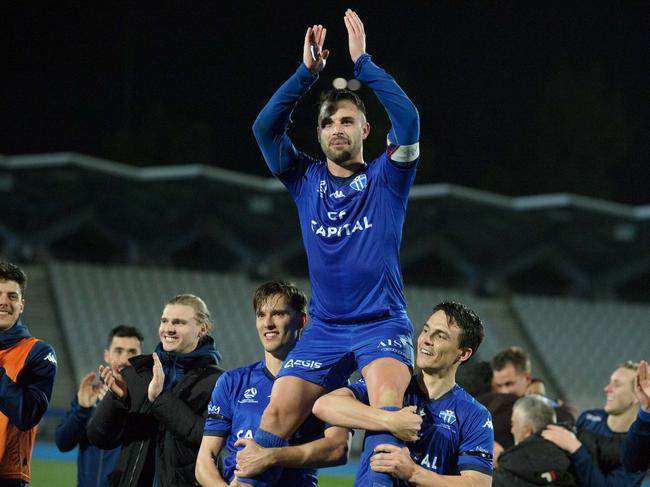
column 351, row 214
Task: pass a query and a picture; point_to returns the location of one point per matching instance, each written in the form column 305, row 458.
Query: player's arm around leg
column 397, row 462
column 342, row 408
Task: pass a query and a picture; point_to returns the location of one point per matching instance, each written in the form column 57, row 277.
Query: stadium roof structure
column 68, row 206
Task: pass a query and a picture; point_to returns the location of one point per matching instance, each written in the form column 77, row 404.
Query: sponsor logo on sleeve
column 322, row 188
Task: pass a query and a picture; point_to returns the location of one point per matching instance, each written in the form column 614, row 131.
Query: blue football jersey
column 352, row 231
column 351, row 227
column 456, row 432
column 235, row 410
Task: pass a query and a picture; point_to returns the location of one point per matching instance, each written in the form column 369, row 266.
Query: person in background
column 156, row 407
column 94, row 464
column 595, row 451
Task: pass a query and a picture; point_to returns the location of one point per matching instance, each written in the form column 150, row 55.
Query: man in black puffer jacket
column 157, row 406
column 533, row 460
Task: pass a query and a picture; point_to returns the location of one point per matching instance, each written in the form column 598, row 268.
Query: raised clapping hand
column 158, row 379
column 313, row 54
column 356, row 34
column 113, row 380
column 90, row 393
column 405, row 423
column 393, row 460
column 642, row 386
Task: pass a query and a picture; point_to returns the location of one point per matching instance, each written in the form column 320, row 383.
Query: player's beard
column 338, row 156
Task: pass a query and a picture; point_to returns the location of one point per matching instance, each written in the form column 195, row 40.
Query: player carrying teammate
column 351, row 214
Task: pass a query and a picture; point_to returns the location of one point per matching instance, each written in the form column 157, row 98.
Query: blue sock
column 365, row 476
column 266, row 439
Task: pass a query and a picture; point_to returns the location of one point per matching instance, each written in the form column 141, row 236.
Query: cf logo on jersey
column 336, row 215
column 359, row 183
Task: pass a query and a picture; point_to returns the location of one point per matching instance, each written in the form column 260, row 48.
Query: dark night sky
column 515, row 97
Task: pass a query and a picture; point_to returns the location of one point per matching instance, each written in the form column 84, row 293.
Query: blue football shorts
column 327, row 354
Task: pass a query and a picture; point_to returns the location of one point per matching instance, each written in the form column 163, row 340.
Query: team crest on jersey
column 448, row 416
column 359, row 183
column 249, row 396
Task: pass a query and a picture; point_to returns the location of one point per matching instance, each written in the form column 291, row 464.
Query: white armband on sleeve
column 403, row 155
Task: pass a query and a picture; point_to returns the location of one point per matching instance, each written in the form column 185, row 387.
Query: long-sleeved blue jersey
column 636, row 447
column 351, row 227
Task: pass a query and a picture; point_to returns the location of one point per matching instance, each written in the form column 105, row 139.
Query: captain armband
column 403, row 155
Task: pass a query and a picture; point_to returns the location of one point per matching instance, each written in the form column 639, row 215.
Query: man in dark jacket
column 156, row 407
column 533, row 460
column 94, row 464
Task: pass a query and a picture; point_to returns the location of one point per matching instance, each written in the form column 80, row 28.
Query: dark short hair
column 297, row 299
column 332, row 97
column 11, row 272
column 471, row 326
column 475, row 378
column 124, row 331
column 512, row 355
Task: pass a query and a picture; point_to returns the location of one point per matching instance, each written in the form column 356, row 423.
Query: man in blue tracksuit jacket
column 93, row 464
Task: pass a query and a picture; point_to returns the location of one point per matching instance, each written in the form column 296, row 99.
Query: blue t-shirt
column 456, row 432
column 235, row 410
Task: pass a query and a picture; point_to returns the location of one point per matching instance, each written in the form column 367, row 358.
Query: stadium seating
column 577, row 342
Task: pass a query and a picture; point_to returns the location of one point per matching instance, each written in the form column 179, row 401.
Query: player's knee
column 388, row 394
column 320, row 407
